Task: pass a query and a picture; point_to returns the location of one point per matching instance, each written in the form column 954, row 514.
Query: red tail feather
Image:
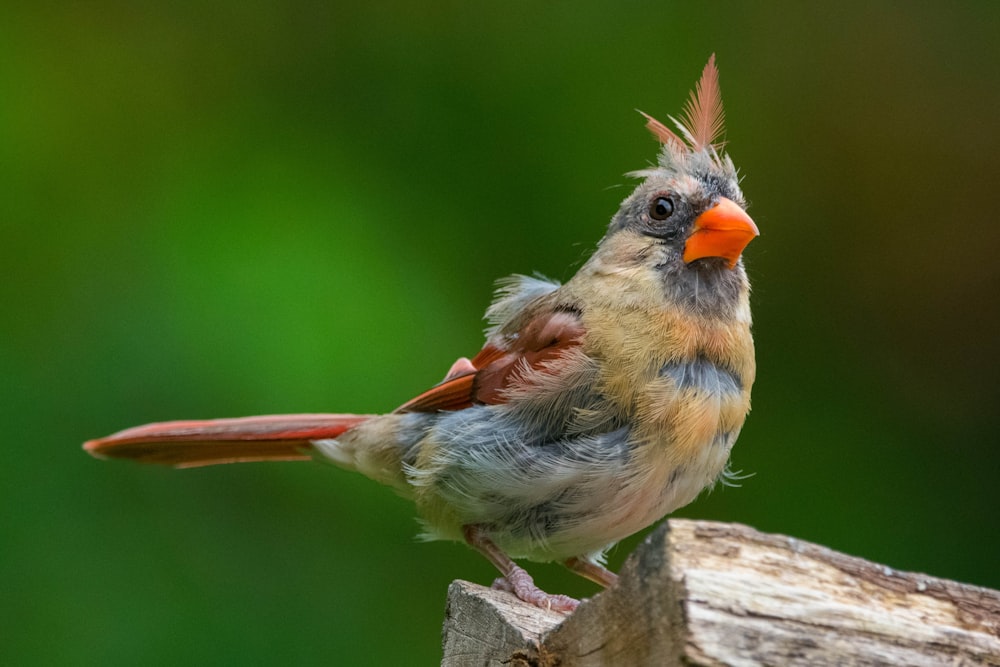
column 187, row 444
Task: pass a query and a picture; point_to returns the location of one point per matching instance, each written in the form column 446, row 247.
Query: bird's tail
column 188, row 444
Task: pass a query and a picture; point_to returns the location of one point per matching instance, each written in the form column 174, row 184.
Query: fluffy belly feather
column 578, row 496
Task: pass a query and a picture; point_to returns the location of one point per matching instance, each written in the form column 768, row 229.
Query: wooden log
column 704, row 593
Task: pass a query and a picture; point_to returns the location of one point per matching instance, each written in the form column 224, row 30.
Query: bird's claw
column 520, row 584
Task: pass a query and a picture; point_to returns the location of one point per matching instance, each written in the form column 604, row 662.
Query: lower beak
column 722, row 231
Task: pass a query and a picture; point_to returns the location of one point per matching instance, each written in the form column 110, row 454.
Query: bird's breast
column 685, row 384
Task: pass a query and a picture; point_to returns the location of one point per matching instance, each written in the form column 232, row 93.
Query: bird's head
column 686, row 222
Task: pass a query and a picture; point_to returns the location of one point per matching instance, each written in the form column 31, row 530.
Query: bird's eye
column 661, row 208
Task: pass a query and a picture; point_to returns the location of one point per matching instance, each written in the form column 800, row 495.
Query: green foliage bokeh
column 240, row 209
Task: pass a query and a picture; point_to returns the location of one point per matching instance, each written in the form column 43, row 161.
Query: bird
column 596, row 406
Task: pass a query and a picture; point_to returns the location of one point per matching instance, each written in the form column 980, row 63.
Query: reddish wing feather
column 544, row 338
column 452, row 394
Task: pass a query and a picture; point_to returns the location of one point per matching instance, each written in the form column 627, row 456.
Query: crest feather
column 704, row 117
column 661, row 131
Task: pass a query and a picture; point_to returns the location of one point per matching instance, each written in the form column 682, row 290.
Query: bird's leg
column 593, row 571
column 515, row 579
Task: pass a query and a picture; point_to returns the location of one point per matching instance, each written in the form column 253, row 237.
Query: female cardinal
column 595, row 407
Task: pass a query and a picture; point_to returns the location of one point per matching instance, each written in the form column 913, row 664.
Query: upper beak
column 721, row 231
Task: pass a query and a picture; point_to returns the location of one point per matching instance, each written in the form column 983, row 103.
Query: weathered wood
column 702, row 593
column 487, row 627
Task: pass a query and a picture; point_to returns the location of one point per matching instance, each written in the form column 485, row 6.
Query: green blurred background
column 243, row 208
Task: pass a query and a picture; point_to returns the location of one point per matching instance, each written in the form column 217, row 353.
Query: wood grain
column 702, row 593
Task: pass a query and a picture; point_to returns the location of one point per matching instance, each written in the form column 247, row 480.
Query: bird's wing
column 499, row 366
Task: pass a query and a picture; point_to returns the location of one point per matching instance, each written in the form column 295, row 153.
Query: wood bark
column 704, row 593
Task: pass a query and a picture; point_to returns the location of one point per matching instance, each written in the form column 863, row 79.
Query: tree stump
column 705, row 593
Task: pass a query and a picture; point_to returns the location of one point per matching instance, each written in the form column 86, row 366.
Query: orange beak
column 721, row 231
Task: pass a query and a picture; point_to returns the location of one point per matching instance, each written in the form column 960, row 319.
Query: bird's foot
column 515, row 580
column 520, row 583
